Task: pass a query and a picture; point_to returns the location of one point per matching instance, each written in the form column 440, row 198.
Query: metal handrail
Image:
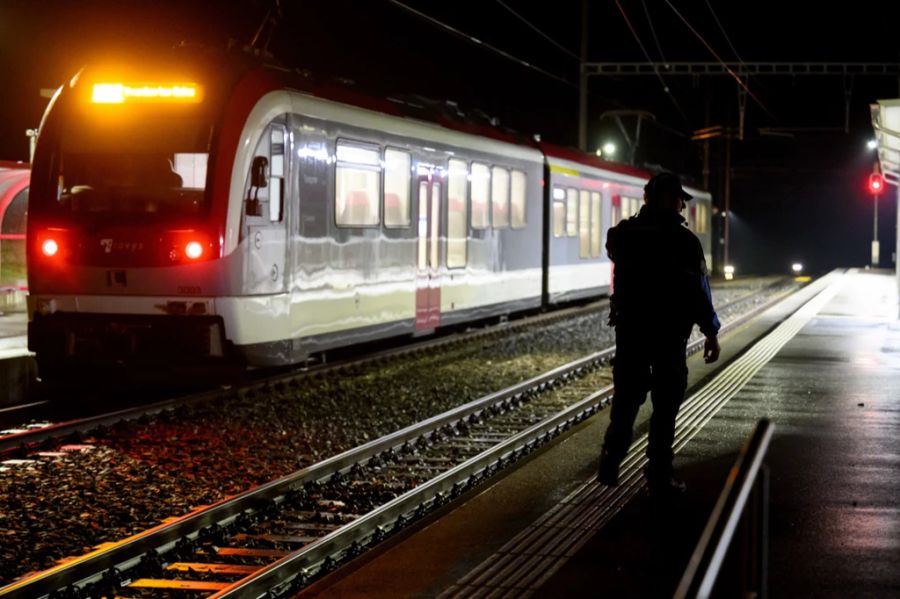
column 748, row 476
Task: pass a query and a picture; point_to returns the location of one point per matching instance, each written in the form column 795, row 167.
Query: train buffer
column 823, row 366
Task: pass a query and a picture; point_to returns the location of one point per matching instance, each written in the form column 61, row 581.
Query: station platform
column 823, row 366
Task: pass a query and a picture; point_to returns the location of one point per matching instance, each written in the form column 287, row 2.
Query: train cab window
column 397, row 176
column 596, row 223
column 276, row 173
column 584, row 224
column 457, row 221
column 261, row 200
column 559, row 212
column 357, row 185
column 517, row 197
column 500, row 197
column 480, row 194
column 191, row 168
column 571, row 212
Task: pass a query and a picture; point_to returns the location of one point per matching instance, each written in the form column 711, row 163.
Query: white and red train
column 212, row 213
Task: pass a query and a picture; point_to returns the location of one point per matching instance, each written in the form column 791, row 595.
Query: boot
column 608, row 472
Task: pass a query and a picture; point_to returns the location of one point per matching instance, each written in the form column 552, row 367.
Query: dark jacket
column 660, row 279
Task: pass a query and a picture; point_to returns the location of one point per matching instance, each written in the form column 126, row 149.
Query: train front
column 124, row 235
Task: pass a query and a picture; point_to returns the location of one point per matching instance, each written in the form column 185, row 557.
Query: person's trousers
column 646, row 361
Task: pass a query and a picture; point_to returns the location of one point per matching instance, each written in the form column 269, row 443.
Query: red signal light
column 876, row 183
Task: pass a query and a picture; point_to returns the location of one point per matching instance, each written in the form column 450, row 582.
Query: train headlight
column 797, row 268
column 49, row 248
column 193, row 250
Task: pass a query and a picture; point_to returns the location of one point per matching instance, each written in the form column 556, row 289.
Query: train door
column 428, row 283
column 266, row 215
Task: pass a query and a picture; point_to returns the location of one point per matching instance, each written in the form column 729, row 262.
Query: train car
column 183, row 216
column 14, row 187
column 586, row 196
column 214, row 212
column 699, row 219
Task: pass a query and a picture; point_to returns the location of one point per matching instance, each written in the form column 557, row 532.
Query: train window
column 571, row 212
column 192, row 169
column 480, row 192
column 517, row 199
column 701, row 218
column 630, row 207
column 12, row 240
column 500, row 197
column 584, row 224
column 422, row 252
column 596, row 223
column 559, row 212
column 357, row 185
column 276, row 173
column 267, row 199
column 396, row 188
column 457, row 223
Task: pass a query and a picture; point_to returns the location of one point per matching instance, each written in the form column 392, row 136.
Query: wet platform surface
column 831, row 387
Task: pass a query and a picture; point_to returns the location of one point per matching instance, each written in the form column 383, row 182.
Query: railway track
column 18, row 441
column 277, row 537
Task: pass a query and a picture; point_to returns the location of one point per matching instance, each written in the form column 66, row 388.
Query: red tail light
column 49, row 248
column 193, row 250
column 53, row 245
column 190, row 245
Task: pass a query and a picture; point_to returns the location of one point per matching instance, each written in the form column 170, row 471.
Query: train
column 211, row 211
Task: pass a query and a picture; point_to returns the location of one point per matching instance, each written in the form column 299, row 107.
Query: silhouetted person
column 660, row 290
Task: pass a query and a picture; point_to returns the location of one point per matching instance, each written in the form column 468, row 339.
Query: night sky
column 798, row 186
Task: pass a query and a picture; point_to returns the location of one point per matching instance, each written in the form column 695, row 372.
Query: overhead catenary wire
column 724, row 33
column 653, row 31
column 734, row 75
column 647, row 56
column 477, row 42
column 538, row 31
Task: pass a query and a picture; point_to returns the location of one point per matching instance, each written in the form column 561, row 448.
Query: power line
column 477, row 42
column 724, row 33
column 538, row 31
column 647, row 55
column 653, row 31
column 722, row 62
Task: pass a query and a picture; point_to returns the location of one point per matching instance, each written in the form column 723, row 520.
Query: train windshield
column 149, row 173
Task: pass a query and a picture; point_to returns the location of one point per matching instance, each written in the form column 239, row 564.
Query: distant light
column 49, row 248
column 193, row 250
column 876, row 183
column 609, row 148
column 598, row 152
column 729, row 272
column 797, row 267
column 872, row 144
